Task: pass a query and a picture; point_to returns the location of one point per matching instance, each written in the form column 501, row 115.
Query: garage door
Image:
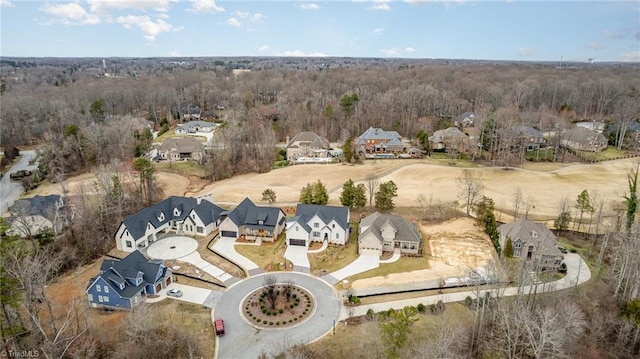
column 230, row 234
column 369, row 251
column 297, row 242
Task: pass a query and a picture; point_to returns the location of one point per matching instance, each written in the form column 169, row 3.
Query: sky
column 459, row 29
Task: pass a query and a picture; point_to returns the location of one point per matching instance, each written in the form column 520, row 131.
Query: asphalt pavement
column 10, row 190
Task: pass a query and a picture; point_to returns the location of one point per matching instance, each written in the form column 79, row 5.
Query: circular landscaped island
column 277, row 305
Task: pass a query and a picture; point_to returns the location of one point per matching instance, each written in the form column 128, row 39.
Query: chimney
column 287, row 140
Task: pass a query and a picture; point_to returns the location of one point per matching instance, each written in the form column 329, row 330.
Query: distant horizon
column 510, row 30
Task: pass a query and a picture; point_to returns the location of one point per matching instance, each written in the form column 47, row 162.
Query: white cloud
column 378, row 31
column 104, row 6
column 257, row 17
column 150, row 28
column 241, row 14
column 298, row 53
column 525, row 52
column 263, row 48
column 69, row 14
column 393, row 52
column 206, row 6
column 6, row 3
column 633, row 56
column 616, row 35
column 409, row 50
column 381, row 5
column 308, row 6
column 174, row 53
column 233, row 22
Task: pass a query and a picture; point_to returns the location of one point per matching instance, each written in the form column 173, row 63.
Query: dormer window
column 160, row 216
column 261, row 222
column 534, row 234
column 176, row 212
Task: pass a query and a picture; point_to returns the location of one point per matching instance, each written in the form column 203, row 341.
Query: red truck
column 218, row 323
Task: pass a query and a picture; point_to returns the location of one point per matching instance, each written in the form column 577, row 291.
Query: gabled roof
column 44, row 206
column 195, row 124
column 405, row 231
column 191, row 110
column 182, row 145
column 136, row 224
column 527, row 131
column 583, row 135
column 466, row 116
column 524, row 230
column 248, row 214
column 378, row 134
column 327, row 213
column 116, row 271
column 309, row 138
column 448, row 134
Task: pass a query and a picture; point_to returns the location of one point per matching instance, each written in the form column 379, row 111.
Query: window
column 106, row 289
column 337, row 235
column 98, row 288
column 316, row 225
column 128, row 244
column 316, row 234
column 100, row 298
column 517, row 248
column 199, row 229
column 90, row 297
column 333, row 225
column 106, row 299
column 297, row 228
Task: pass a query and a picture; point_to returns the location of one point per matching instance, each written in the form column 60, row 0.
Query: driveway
column 241, row 340
column 11, row 190
column 298, row 256
column 190, row 294
column 195, row 259
column 577, row 273
column 225, row 248
column 362, row 264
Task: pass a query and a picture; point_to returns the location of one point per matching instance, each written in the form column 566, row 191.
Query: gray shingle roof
column 449, row 134
column 248, row 214
column 583, row 135
column 405, row 231
column 524, row 229
column 310, row 138
column 136, row 224
column 378, row 134
column 327, row 213
column 44, row 206
column 115, row 271
column 182, row 145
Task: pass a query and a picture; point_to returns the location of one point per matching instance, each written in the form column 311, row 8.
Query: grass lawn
column 336, row 257
column 192, row 318
column 267, row 256
column 402, row 265
column 186, row 168
column 608, row 154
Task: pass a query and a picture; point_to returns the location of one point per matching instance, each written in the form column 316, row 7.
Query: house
column 307, row 144
column 181, row 149
column 532, row 242
column 467, row 119
column 378, row 141
column 316, row 223
column 385, row 232
column 530, row 138
column 250, row 222
column 191, row 113
column 124, row 284
column 195, row 127
column 188, row 215
column 449, row 138
column 583, row 139
column 30, row 216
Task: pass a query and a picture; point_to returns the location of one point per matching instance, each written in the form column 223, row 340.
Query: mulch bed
column 258, row 311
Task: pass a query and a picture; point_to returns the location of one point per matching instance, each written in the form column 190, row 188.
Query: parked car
column 218, row 323
column 19, row 174
column 177, row 293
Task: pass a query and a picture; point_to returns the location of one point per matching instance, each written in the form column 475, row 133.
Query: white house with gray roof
column 188, row 215
column 307, row 145
column 378, row 141
column 316, row 223
column 195, row 128
column 250, row 222
column 532, row 242
column 384, row 232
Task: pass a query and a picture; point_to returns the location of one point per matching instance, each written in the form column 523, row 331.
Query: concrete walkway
column 577, row 273
column 394, row 258
column 225, row 248
column 362, row 264
column 298, row 256
column 325, row 244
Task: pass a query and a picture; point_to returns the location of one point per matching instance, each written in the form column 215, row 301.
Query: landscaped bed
column 287, row 305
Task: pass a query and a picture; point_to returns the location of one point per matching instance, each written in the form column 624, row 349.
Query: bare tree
column 529, row 204
column 470, row 187
column 517, row 200
column 372, row 182
column 269, row 284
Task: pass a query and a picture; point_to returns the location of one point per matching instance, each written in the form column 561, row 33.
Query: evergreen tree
column 562, row 222
column 508, row 249
column 487, row 219
column 347, row 151
column 353, row 196
column 314, row 193
column 583, row 204
column 385, row 195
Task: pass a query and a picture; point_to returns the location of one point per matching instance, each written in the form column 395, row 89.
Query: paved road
column 11, row 190
column 577, row 273
column 244, row 341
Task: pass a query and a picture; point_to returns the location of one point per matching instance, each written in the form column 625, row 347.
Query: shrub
column 280, row 310
column 270, row 323
column 468, row 301
column 308, row 305
column 291, row 305
column 290, row 320
column 278, row 323
column 264, row 310
column 264, row 322
column 370, row 314
column 295, row 319
column 420, row 308
column 294, row 295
